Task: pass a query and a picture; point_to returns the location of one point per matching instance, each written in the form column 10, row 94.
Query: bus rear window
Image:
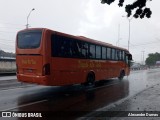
column 29, row 39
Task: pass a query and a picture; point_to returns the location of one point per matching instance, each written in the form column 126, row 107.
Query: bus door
column 128, row 58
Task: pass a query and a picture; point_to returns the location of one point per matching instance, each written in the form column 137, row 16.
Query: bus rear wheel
column 90, row 79
column 121, row 75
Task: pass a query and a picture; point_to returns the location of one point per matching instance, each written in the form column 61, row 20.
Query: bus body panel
column 30, row 64
column 41, row 80
column 62, row 71
column 68, row 71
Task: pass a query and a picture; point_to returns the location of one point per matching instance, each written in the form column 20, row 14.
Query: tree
column 139, row 6
column 6, row 54
column 152, row 58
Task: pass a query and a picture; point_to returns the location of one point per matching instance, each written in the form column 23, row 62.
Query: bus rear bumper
column 42, row 80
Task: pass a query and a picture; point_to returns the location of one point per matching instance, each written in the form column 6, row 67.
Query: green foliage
column 152, row 58
column 139, row 6
column 131, row 63
column 6, row 54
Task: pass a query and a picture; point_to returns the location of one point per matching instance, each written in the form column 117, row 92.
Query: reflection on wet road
column 77, row 98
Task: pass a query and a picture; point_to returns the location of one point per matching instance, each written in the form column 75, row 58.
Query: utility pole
column 129, row 30
column 143, row 63
column 118, row 34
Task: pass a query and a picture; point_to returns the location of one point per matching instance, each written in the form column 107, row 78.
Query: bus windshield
column 29, row 39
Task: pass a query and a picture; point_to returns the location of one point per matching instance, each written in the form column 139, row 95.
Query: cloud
column 89, row 18
column 97, row 17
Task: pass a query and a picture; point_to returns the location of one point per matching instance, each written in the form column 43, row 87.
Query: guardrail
column 7, row 65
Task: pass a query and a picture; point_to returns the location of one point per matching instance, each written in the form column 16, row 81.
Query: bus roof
column 83, row 38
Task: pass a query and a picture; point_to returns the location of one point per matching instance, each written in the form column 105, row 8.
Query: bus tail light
column 46, row 69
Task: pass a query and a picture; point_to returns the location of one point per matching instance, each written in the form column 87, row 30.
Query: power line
column 5, row 39
column 8, row 31
column 7, row 44
column 11, row 28
column 8, row 23
column 139, row 45
column 143, row 44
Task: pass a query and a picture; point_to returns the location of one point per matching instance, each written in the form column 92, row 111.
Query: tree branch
column 140, row 6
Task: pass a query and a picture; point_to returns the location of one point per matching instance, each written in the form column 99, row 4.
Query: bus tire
column 121, row 75
column 90, row 81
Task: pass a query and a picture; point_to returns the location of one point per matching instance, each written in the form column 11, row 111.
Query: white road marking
column 8, row 77
column 24, row 105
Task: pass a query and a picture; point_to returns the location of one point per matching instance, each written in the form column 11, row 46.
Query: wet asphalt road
column 75, row 99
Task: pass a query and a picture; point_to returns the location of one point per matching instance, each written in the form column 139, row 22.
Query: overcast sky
column 88, row 18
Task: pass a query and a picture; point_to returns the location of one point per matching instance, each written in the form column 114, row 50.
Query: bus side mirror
column 129, row 57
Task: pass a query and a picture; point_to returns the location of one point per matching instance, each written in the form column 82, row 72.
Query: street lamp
column 27, row 25
column 117, row 43
column 143, row 63
column 129, row 27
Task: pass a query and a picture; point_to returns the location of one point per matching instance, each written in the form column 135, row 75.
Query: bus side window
column 123, row 55
column 98, row 52
column 84, row 50
column 127, row 61
column 113, row 54
column 74, row 48
column 117, row 55
column 79, row 49
column 108, row 53
column 56, row 46
column 92, row 51
column 120, row 58
column 60, row 46
column 104, row 53
column 65, row 48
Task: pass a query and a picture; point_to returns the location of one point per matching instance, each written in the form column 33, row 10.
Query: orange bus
column 52, row 58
